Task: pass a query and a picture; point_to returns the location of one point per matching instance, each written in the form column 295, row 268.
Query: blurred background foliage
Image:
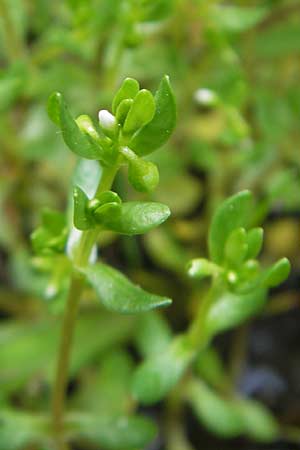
column 234, row 66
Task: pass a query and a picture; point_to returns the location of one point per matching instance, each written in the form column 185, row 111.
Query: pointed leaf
column 79, row 142
column 82, row 221
column 231, row 214
column 118, row 293
column 277, row 273
column 157, row 132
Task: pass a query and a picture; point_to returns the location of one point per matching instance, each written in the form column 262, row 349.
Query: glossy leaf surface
column 157, row 132
column 118, row 293
column 231, row 214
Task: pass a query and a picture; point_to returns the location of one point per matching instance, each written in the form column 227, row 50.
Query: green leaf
column 141, row 111
column 119, row 294
column 123, row 109
column 128, row 90
column 236, row 247
column 95, row 335
column 230, row 309
column 210, row 367
column 87, row 175
column 143, row 175
column 82, row 221
column 219, row 415
column 79, row 142
column 277, row 273
column 19, row 430
column 255, row 241
column 153, row 334
column 106, row 392
column 237, row 19
column 54, row 221
column 157, row 132
column 115, row 433
column 160, row 373
column 260, row 425
column 132, row 217
column 231, row 214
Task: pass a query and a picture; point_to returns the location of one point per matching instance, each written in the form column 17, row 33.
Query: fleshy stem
column 81, row 259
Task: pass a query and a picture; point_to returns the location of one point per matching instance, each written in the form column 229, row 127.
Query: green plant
column 238, row 291
column 140, row 123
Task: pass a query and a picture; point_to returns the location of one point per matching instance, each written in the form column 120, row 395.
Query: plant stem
column 81, row 259
column 198, row 334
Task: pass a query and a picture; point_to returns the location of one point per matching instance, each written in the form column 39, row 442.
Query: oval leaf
column 231, row 214
column 133, row 217
column 129, row 89
column 118, row 293
column 217, row 414
column 157, row 132
column 255, row 241
column 141, row 111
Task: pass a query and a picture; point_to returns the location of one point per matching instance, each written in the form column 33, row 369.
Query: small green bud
column 201, row 268
column 108, row 123
column 143, row 175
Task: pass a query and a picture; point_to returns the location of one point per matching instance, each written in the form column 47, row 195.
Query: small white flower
column 107, row 120
column 205, row 97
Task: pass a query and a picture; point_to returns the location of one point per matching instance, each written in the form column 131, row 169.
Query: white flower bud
column 107, row 120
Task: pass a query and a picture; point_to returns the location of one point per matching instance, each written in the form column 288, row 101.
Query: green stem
column 198, row 335
column 81, row 259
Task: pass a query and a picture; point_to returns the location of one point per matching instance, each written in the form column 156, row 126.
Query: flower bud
column 108, row 123
column 143, row 175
